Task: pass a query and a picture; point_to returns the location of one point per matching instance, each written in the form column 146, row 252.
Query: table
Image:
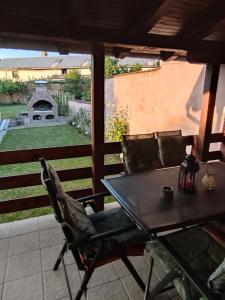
column 139, row 195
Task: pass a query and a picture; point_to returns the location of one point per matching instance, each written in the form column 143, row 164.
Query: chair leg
column 88, row 274
column 133, row 272
column 61, row 254
column 83, row 287
column 163, row 283
column 149, row 278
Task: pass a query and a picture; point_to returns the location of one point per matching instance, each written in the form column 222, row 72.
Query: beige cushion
column 72, row 210
column 172, row 150
column 140, row 155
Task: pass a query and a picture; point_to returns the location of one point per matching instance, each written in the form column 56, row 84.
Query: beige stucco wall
column 166, row 99
column 32, row 74
column 26, row 75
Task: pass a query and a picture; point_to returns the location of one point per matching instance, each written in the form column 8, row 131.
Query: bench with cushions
column 196, row 255
column 153, row 151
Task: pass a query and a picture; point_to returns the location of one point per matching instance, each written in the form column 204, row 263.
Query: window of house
column 64, row 71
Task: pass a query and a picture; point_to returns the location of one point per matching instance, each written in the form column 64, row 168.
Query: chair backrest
column 69, row 212
column 52, row 191
column 172, row 147
column 140, row 153
column 127, row 137
column 168, row 133
column 67, row 209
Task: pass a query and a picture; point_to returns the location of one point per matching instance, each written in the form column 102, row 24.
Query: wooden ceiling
column 192, row 29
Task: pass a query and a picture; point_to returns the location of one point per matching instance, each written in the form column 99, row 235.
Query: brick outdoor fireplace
column 42, row 106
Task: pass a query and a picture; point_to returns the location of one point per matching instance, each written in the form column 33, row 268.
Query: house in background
column 30, row 68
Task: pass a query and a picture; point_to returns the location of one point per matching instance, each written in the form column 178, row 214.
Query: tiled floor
column 28, row 250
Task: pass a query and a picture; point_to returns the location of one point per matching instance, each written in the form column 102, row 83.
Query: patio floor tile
column 5, row 230
column 23, row 265
column 102, row 275
column 24, row 226
column 50, row 254
column 134, row 291
column 25, row 288
column 137, row 261
column 111, row 291
column 2, row 269
column 51, row 237
column 46, row 222
column 55, row 285
column 29, row 275
column 24, row 243
column 1, row 290
column 4, row 247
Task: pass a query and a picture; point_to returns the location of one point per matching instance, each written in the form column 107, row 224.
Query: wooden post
column 208, row 105
column 222, row 147
column 97, row 120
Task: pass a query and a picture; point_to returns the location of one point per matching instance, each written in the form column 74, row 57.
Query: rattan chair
column 115, row 237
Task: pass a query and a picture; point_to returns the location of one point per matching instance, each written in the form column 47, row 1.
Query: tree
column 135, row 68
column 9, row 87
column 73, row 84
column 111, row 66
column 117, row 125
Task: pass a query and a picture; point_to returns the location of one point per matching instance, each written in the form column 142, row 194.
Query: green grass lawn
column 28, row 138
column 41, row 137
column 63, row 135
column 10, row 111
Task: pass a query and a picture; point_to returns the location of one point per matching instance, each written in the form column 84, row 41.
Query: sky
column 22, row 53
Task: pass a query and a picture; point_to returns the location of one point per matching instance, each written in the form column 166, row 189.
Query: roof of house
column 62, row 62
column 46, row 62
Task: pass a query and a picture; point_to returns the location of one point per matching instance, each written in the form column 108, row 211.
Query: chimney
column 44, row 53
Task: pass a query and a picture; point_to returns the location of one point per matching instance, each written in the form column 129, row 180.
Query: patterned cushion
column 216, row 280
column 172, row 150
column 116, row 218
column 140, row 155
column 72, row 210
column 198, row 249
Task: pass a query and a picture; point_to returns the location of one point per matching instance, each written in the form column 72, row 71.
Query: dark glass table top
column 139, row 195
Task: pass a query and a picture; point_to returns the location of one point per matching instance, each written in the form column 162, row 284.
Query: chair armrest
column 102, row 236
column 94, row 196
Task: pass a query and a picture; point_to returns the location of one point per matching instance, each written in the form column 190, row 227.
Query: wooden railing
column 27, row 180
column 56, row 153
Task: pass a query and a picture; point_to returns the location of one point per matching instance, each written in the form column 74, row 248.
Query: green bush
column 73, row 84
column 86, row 93
column 117, row 125
column 62, row 100
column 9, row 87
column 82, row 121
column 135, row 68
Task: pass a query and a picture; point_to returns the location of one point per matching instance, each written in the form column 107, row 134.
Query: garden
column 76, row 131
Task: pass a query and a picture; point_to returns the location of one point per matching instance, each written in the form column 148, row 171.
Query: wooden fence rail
column 55, row 153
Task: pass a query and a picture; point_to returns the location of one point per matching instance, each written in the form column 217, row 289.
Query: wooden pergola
column 192, row 30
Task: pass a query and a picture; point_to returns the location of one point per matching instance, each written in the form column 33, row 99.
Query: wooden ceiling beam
column 73, row 10
column 216, row 56
column 207, row 22
column 44, row 31
column 151, row 14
